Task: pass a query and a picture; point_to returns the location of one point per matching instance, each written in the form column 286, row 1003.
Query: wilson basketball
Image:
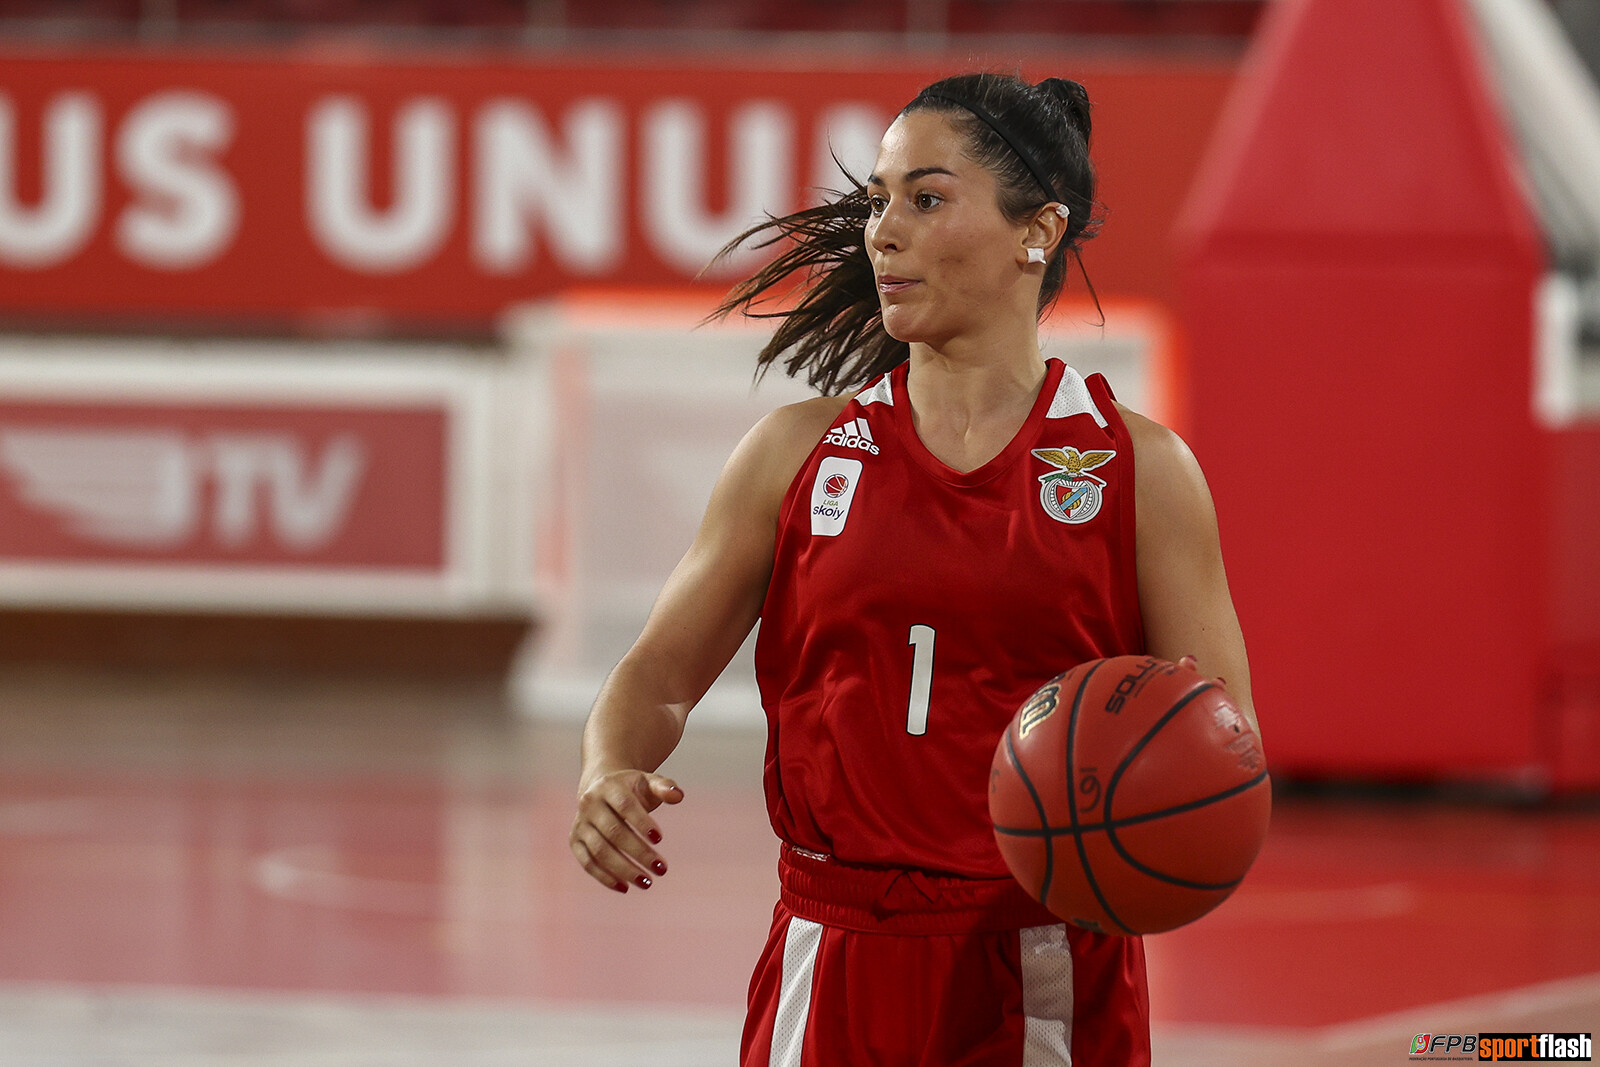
column 1129, row 795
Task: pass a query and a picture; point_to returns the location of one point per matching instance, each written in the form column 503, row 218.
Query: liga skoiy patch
column 831, row 494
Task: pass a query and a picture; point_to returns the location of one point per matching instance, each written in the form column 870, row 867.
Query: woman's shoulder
column 1164, row 463
column 775, row 449
column 1147, row 433
column 798, row 421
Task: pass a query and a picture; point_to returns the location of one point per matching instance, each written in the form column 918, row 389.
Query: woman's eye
column 877, row 204
column 926, row 201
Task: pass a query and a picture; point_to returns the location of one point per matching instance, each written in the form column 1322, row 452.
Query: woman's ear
column 1046, row 231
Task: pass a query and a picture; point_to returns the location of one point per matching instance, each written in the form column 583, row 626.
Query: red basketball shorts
column 890, row 968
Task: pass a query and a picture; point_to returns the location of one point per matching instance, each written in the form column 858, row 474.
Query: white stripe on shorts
column 1046, row 996
column 800, row 944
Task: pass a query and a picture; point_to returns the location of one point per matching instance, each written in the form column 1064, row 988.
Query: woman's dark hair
column 834, row 329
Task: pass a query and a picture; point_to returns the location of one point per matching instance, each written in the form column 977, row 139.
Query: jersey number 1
column 921, row 679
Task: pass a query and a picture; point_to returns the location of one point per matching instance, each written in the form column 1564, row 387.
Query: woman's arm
column 1183, row 588
column 703, row 614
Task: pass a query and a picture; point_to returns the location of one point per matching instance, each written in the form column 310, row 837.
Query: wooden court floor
column 283, row 872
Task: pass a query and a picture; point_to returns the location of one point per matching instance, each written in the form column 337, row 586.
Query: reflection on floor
column 209, row 871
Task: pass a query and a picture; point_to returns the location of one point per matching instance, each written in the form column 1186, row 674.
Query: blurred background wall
column 320, row 320
column 256, row 263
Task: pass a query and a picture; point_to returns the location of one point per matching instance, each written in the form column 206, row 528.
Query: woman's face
column 945, row 258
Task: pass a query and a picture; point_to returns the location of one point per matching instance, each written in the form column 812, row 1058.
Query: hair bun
column 1074, row 99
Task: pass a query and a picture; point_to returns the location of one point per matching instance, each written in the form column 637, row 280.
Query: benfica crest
column 1070, row 493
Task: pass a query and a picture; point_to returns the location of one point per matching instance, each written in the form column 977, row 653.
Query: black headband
column 994, row 124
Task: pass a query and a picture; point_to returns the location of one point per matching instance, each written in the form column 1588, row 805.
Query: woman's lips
column 889, row 283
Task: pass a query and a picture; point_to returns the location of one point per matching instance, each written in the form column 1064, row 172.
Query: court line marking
column 1467, row 1012
column 66, row 1025
column 598, row 1033
column 310, row 874
column 52, row 817
column 1303, row 905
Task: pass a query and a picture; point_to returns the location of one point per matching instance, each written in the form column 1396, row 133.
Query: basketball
column 1129, row 795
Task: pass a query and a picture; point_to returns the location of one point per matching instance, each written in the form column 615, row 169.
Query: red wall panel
column 1358, row 302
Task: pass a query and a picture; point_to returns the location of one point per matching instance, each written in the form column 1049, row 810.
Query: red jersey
column 913, row 608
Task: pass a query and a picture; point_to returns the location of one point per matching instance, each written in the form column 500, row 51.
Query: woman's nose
column 883, row 232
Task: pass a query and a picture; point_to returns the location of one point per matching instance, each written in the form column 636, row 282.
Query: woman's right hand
column 613, row 832
column 705, row 611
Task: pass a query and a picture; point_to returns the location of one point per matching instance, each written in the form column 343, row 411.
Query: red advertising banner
column 223, row 484
column 354, row 188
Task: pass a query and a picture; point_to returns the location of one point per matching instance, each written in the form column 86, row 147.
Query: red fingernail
column 659, row 867
column 655, row 837
column 619, row 887
column 642, row 882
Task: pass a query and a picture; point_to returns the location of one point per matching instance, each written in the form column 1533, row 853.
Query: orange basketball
column 1129, row 795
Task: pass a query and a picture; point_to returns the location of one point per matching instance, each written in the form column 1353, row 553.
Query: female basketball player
column 922, row 552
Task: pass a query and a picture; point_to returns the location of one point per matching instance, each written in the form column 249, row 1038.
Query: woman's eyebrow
column 912, row 175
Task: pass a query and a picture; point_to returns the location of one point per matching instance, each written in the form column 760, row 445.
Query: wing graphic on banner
column 134, row 488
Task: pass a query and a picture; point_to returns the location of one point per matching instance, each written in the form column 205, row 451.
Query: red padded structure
column 1358, row 273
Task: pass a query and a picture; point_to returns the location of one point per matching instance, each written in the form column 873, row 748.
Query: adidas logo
column 853, row 434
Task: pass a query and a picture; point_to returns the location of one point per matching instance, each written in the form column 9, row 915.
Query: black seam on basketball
column 1169, row 878
column 1044, row 817
column 1172, row 879
column 1133, row 753
column 1135, row 820
column 1116, row 776
column 1072, row 798
column 1138, row 747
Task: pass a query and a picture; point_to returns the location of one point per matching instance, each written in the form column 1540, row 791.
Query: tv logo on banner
column 223, row 483
column 144, row 488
